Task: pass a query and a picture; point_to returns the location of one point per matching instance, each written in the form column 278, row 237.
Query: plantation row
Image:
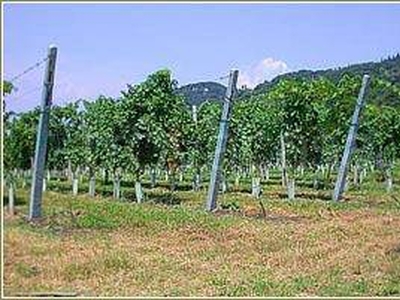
column 308, row 186
column 298, row 126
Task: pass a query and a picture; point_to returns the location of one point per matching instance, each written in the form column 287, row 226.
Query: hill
column 196, row 93
column 388, row 69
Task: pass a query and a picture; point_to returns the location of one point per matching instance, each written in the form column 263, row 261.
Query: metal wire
column 26, row 71
column 221, row 77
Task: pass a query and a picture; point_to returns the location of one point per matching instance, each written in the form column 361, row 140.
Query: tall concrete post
column 35, row 208
column 351, row 137
column 221, row 142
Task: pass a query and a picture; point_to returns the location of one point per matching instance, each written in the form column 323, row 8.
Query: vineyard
column 126, row 181
column 150, row 131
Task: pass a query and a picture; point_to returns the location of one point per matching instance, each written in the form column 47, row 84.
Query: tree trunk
column 44, row 184
column 153, row 178
column 355, row 175
column 328, row 175
column 301, row 171
column 28, row 177
column 54, row 173
column 11, row 198
column 106, row 177
column 75, row 186
column 323, row 171
column 224, row 184
column 291, row 188
column 363, row 174
column 197, row 180
column 172, row 182
column 237, row 180
column 117, row 187
column 92, row 184
column 256, row 181
column 181, row 176
column 69, row 172
column 138, row 191
column 283, row 160
column 167, row 176
column 389, row 180
column 315, row 178
column 256, row 187
column 75, row 183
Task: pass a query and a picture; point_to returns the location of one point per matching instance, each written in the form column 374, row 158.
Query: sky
column 104, row 47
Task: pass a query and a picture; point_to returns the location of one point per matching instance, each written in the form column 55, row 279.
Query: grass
column 307, row 247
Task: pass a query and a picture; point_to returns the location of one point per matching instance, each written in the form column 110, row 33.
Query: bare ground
column 293, row 252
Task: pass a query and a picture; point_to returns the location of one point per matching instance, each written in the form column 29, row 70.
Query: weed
column 232, row 205
column 26, row 270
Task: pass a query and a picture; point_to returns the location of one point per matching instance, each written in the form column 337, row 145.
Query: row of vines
column 298, row 127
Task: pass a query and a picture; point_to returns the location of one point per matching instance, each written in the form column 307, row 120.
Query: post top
column 52, row 46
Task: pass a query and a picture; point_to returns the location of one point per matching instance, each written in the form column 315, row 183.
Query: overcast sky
column 102, row 47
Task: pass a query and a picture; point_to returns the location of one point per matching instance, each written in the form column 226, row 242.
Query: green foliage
column 56, row 139
column 254, row 132
column 202, row 135
column 154, row 121
column 26, row 270
column 75, row 143
column 380, row 133
column 387, row 70
column 233, row 205
column 6, row 87
column 298, row 120
column 19, row 140
column 150, row 126
column 104, row 135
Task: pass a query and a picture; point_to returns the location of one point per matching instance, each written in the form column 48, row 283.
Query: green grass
column 169, row 245
column 25, row 270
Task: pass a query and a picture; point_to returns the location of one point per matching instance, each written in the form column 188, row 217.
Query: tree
column 380, row 136
column 56, row 151
column 6, row 87
column 105, row 141
column 254, row 138
column 201, row 138
column 152, row 121
column 98, row 130
column 298, row 125
column 19, row 143
column 75, row 143
column 19, row 140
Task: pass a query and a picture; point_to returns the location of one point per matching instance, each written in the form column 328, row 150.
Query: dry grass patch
column 303, row 248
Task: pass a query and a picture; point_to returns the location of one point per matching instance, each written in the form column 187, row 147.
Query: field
column 169, row 246
column 127, row 142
